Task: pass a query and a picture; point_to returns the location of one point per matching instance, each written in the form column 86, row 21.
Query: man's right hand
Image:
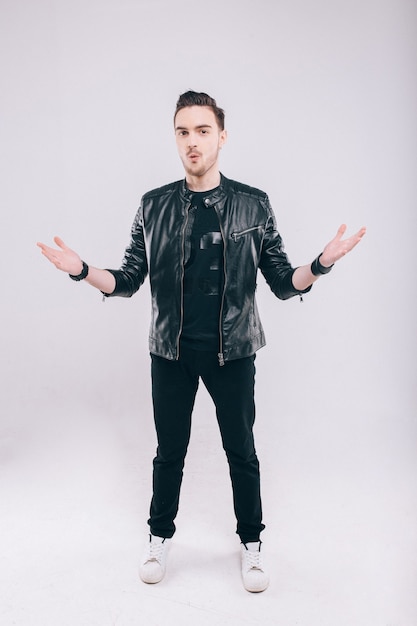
column 62, row 257
column 70, row 262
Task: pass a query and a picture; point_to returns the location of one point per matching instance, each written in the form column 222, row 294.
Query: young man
column 202, row 241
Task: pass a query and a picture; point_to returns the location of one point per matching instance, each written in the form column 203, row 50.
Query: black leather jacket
column 250, row 240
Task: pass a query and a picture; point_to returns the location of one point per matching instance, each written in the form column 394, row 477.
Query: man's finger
column 60, row 243
column 341, row 231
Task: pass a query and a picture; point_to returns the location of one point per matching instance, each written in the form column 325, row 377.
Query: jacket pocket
column 242, row 233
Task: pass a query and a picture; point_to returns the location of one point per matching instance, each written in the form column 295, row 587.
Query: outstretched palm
column 62, row 257
column 338, row 247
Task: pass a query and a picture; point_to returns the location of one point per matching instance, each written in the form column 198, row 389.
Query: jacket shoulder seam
column 161, row 191
column 247, row 190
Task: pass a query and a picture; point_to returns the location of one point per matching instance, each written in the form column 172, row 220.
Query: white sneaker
column 255, row 579
column 153, row 564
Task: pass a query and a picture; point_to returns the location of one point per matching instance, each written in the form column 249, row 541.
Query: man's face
column 199, row 140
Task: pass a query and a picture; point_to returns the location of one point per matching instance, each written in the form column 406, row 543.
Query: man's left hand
column 338, row 247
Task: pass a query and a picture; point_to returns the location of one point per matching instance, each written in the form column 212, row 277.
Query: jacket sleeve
column 134, row 268
column 274, row 263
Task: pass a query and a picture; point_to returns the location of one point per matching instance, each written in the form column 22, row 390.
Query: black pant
column 174, row 387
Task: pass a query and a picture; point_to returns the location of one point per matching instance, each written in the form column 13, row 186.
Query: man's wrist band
column 83, row 274
column 318, row 269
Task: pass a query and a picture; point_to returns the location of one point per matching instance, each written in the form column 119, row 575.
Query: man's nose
column 192, row 140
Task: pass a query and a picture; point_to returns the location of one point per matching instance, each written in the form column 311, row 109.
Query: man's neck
column 203, row 183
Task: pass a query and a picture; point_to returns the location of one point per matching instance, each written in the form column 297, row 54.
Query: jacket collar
column 212, row 197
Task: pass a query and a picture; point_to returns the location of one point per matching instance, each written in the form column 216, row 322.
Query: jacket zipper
column 182, row 279
column 236, row 236
column 220, row 354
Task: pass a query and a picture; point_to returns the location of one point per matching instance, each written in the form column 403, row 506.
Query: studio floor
column 340, row 543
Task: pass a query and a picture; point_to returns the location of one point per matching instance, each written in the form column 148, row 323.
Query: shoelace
column 156, row 551
column 253, row 560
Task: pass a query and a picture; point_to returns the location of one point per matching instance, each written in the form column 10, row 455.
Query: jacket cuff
column 288, row 288
column 119, row 289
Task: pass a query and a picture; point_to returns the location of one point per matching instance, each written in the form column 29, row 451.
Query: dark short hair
column 193, row 98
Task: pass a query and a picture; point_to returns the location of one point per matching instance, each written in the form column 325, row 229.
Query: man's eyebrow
column 199, row 126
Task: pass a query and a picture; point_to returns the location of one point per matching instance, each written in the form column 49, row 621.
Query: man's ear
column 222, row 138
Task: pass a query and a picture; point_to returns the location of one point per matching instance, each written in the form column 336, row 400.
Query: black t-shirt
column 203, row 276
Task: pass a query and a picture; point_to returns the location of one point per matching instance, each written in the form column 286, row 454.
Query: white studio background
column 320, row 101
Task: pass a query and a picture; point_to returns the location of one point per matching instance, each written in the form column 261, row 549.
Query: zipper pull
column 301, row 298
column 221, row 359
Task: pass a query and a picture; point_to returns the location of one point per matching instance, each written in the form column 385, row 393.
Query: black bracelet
column 318, row 269
column 83, row 274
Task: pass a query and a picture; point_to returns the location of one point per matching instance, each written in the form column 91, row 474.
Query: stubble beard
column 202, row 169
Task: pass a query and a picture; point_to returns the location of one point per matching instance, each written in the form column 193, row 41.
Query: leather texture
column 251, row 242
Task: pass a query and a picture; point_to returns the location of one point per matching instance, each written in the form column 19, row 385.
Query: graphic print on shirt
column 203, row 277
